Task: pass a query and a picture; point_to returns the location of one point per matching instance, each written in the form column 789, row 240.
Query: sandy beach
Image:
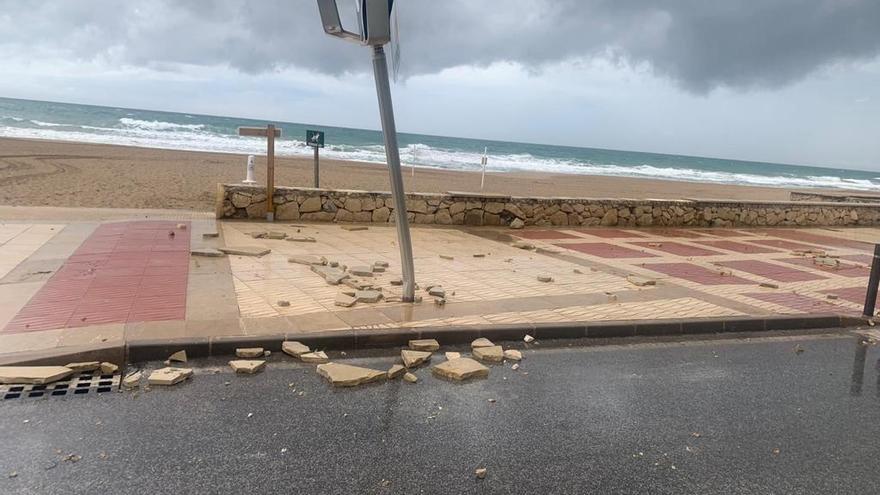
column 53, row 173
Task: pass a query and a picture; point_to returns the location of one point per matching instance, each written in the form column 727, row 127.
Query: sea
column 184, row 131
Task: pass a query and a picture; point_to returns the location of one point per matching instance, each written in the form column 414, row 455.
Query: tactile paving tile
column 797, row 302
column 769, row 270
column 695, row 273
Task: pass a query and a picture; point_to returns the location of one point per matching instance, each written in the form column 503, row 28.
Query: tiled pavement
column 76, row 278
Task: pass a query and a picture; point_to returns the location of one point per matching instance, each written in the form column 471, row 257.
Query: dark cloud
column 701, row 44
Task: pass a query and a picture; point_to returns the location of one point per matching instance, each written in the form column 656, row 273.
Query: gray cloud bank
column 701, row 44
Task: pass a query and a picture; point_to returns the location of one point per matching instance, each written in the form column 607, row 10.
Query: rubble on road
column 412, row 358
column 368, row 296
column 249, row 352
column 545, row 278
column 452, row 355
column 246, row 366
column 108, row 368
column 84, row 366
column 246, row 250
column 132, row 380
column 33, row 375
column 409, row 377
column 481, row 473
column 206, row 252
column 513, row 355
column 344, row 375
column 494, row 354
column 314, row 357
column 640, row 281
column 396, row 371
column 169, row 376
column 528, row 339
column 179, row 356
column 300, row 238
column 294, row 348
column 344, row 300
column 429, row 345
column 460, row 369
column 307, row 259
column 481, row 342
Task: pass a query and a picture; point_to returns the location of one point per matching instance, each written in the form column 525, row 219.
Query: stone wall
column 453, row 208
column 834, row 197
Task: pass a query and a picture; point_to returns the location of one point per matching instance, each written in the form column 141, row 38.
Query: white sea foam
column 158, row 134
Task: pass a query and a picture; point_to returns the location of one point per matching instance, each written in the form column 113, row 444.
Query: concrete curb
column 159, row 349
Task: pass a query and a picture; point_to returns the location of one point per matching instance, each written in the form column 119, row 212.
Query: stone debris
column 169, row 376
column 383, row 264
column 207, row 252
column 429, row 345
column 513, row 355
column 314, row 357
column 181, row 226
column 210, row 235
column 832, row 296
column 354, row 228
column 307, row 259
column 301, row 238
column 515, row 366
column 826, row 261
column 357, row 284
column 578, row 271
column 275, row 235
column 378, row 269
column 246, row 250
column 412, row 358
column 396, row 371
column 395, row 281
column 108, row 368
column 132, row 380
column 179, row 356
column 333, row 264
column 446, row 257
column 440, row 301
column 409, row 377
column 84, row 366
column 481, row 342
column 361, row 271
column 259, row 234
column 437, row 291
column 460, row 369
column 283, row 303
column 368, row 296
column 247, row 366
column 768, row 285
column 331, row 275
column 294, row 348
column 452, row 355
column 517, row 224
column 33, row 375
column 545, row 278
column 344, row 300
column 523, row 245
column 640, row 281
column 344, row 375
column 249, row 352
column 481, row 473
column 479, row 255
column 494, row 354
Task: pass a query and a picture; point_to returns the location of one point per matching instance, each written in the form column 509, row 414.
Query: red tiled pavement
column 844, row 269
column 781, row 244
column 771, row 271
column 605, row 250
column 797, row 302
column 851, row 294
column 687, row 234
column 124, row 272
column 737, row 247
column 544, row 234
column 865, row 259
column 676, row 248
column 821, row 240
column 723, row 233
column 611, row 233
column 696, row 274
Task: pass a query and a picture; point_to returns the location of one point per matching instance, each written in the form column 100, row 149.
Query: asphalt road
column 693, row 417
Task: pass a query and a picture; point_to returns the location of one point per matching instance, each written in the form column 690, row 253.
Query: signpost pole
column 392, row 154
column 317, row 175
column 270, row 172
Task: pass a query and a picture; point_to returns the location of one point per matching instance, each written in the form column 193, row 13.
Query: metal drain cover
column 78, row 384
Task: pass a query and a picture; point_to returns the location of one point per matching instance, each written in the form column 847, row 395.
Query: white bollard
column 483, row 161
column 250, row 171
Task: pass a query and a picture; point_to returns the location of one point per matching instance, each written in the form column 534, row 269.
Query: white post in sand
column 250, row 171
column 483, row 161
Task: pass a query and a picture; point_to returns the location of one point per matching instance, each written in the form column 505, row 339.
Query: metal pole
column 392, row 154
column 317, row 176
column 873, row 282
column 270, row 172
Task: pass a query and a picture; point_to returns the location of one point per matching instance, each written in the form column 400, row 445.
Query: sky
column 791, row 81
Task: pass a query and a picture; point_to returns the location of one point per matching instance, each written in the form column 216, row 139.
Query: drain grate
column 78, row 384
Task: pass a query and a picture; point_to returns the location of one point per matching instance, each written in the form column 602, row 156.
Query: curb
column 159, row 349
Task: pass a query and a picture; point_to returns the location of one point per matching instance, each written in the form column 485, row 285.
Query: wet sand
column 54, row 173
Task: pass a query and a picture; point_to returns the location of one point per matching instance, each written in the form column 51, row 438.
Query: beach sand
column 52, row 173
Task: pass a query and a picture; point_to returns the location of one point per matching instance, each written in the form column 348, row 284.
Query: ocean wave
column 48, row 124
column 157, row 125
column 10, row 117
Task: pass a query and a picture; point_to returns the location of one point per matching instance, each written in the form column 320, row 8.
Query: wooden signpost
column 270, row 133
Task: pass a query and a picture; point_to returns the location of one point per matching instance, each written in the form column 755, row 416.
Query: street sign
column 315, row 138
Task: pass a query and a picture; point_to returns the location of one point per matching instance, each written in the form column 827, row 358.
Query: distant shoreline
column 38, row 172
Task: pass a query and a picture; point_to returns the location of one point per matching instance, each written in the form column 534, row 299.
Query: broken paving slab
column 33, row 375
column 545, row 278
column 179, row 356
column 354, row 228
column 245, row 250
column 276, row 235
column 210, row 235
column 513, row 355
column 452, row 355
column 409, row 377
column 132, row 380
column 368, row 296
column 437, row 291
column 247, row 366
column 331, row 275
column 294, row 348
column 481, row 342
column 207, row 253
column 249, row 352
column 494, row 354
column 344, row 300
column 412, row 358
column 429, row 345
column 314, row 357
column 307, row 259
column 460, row 369
column 523, row 245
column 84, row 366
column 301, row 238
column 108, row 368
column 345, row 375
column 169, row 376
column 361, row 271
column 396, row 371
column 640, row 281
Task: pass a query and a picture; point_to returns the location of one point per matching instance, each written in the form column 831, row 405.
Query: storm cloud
column 699, row 44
